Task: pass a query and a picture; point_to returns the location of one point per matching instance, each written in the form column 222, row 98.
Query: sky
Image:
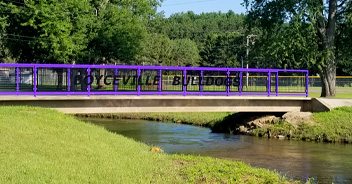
column 199, row 6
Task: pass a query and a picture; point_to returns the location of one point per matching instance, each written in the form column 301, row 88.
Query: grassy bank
column 43, row 146
column 333, row 126
column 207, row 119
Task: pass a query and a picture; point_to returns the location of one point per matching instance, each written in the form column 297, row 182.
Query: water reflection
column 325, row 163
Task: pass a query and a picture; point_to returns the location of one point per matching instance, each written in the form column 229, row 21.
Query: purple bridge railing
column 64, row 79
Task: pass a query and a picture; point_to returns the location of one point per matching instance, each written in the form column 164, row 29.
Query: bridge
column 125, row 88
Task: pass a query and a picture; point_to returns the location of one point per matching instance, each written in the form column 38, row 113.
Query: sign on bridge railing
column 56, row 79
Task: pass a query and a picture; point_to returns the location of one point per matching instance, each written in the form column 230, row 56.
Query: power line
column 29, row 37
column 11, row 12
column 14, row 39
column 21, row 36
column 204, row 31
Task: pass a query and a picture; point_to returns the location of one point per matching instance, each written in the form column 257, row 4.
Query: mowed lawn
column 341, row 92
column 44, row 146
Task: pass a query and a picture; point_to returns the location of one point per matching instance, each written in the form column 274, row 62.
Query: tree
column 120, row 29
column 184, row 52
column 159, row 49
column 47, row 31
column 5, row 55
column 312, row 32
column 156, row 49
column 218, row 36
column 223, row 50
column 76, row 31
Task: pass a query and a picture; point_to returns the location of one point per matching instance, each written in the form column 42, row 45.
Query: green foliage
column 185, row 52
column 48, row 32
column 5, row 55
column 345, row 64
column 96, row 31
column 219, row 36
column 309, row 34
column 223, row 50
column 285, row 38
column 156, row 49
column 159, row 49
column 120, row 30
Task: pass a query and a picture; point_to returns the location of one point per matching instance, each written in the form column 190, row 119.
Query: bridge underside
column 124, row 104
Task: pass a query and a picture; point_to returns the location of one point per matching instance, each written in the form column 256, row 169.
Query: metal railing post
column 184, row 82
column 68, row 80
column 160, row 77
column 138, row 82
column 35, row 80
column 201, row 82
column 17, row 80
column 228, row 83
column 240, row 86
column 269, row 83
column 307, row 84
column 115, row 81
column 277, row 84
column 88, row 81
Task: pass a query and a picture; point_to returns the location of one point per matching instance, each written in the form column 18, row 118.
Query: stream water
column 325, row 163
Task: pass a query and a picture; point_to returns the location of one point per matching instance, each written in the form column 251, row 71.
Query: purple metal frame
column 160, row 90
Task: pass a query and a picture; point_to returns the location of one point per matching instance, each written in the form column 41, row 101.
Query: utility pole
column 247, row 54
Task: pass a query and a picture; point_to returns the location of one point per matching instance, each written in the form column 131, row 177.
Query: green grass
column 333, row 126
column 194, row 118
column 210, row 170
column 339, row 94
column 43, row 146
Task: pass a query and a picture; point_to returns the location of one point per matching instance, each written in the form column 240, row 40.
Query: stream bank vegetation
column 334, row 126
column 44, row 146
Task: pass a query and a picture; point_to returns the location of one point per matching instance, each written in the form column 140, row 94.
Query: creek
column 324, row 162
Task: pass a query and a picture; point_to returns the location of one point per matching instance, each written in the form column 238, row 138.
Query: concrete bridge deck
column 155, row 103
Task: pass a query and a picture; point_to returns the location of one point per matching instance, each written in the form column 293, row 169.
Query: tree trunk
column 101, row 84
column 84, row 84
column 72, row 80
column 328, row 79
column 327, row 34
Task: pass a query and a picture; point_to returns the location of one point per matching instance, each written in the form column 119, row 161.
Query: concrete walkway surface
column 332, row 103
